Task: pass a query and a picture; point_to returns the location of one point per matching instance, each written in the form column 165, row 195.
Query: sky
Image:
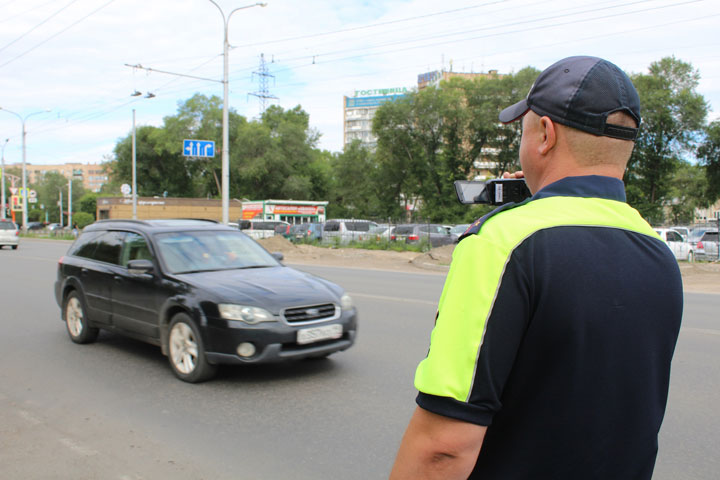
column 63, row 63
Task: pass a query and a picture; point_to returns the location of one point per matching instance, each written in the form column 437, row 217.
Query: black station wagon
column 206, row 293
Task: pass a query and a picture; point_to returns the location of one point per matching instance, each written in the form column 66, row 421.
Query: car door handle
column 83, row 271
column 118, row 279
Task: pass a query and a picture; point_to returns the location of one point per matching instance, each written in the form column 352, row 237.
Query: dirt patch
column 697, row 277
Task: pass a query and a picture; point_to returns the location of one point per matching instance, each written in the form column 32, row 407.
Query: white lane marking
column 704, row 331
column 393, row 299
column 77, row 448
column 29, row 417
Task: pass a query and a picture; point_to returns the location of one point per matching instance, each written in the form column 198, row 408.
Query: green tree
column 673, row 116
column 50, row 188
column 88, row 203
column 355, row 184
column 433, row 137
column 687, row 192
column 709, row 156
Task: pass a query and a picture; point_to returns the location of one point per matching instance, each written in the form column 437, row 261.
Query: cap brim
column 513, row 112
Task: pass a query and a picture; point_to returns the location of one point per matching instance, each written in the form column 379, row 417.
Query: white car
column 681, row 248
column 9, row 234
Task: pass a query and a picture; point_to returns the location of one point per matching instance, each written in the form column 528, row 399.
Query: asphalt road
column 113, row 410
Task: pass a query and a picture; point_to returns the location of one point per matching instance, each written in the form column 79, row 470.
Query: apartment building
column 92, row 175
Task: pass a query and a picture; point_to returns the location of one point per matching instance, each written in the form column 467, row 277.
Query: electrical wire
column 56, row 34
column 38, row 25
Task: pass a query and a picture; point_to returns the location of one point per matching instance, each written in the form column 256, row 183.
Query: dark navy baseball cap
column 580, row 92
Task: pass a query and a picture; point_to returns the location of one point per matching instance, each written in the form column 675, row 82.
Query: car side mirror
column 140, row 266
column 278, row 256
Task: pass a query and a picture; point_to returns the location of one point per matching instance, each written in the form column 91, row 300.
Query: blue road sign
column 198, row 148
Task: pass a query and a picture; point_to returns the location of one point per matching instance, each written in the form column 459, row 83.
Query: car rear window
column 7, row 226
column 404, row 229
column 710, row 237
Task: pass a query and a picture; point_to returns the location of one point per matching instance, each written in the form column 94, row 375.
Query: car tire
column 14, row 247
column 76, row 321
column 186, row 351
column 690, row 257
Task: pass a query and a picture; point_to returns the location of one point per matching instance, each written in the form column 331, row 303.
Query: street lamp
column 24, row 163
column 3, row 177
column 225, row 130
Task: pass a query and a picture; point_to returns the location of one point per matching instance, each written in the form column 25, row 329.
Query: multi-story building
column 92, row 175
column 359, row 110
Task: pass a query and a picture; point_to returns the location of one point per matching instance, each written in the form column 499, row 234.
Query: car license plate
column 318, row 334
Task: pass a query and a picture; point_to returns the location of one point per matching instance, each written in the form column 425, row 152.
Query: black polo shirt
column 556, row 329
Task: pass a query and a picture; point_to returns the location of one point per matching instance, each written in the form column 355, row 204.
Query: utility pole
column 3, row 177
column 70, row 201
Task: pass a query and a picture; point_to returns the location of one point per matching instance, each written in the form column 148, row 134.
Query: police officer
column 550, row 356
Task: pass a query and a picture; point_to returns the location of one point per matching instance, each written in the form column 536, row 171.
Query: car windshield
column 208, row 250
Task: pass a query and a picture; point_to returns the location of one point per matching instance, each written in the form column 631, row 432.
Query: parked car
column 260, row 228
column 35, row 226
column 306, row 232
column 54, row 226
column 283, row 230
column 205, row 293
column 434, row 234
column 684, row 231
column 344, row 231
column 681, row 248
column 706, row 245
column 9, row 234
column 457, row 231
column 381, row 232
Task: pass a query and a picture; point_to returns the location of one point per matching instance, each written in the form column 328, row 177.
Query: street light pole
column 3, row 178
column 225, row 194
column 134, row 172
column 24, row 163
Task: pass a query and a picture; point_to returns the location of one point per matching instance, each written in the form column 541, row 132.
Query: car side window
column 332, row 227
column 85, row 245
column 108, row 248
column 674, row 237
column 135, row 248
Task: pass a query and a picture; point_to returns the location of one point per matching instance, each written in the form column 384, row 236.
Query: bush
column 83, row 219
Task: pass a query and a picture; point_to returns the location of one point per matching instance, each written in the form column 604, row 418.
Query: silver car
column 706, row 244
column 9, row 234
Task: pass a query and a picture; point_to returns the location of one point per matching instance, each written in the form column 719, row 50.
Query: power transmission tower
column 264, row 79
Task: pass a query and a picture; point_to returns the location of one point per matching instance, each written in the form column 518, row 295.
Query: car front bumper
column 273, row 341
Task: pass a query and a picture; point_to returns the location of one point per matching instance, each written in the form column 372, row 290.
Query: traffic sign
column 198, row 148
column 125, row 189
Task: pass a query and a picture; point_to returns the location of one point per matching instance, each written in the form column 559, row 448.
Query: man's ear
column 549, row 137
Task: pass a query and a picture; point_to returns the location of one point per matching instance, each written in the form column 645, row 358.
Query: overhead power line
column 56, row 34
column 37, row 26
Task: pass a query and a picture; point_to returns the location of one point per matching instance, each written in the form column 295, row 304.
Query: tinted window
column 358, row 226
column 332, row 227
column 108, row 248
column 136, row 248
column 7, row 226
column 404, row 229
column 710, row 237
column 85, row 245
column 674, row 237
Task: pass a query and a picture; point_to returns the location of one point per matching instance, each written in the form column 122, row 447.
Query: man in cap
column 550, row 356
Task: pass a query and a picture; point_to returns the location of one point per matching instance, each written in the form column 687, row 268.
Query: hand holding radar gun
column 499, row 191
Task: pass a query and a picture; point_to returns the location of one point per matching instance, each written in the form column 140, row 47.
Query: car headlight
column 346, row 302
column 245, row 313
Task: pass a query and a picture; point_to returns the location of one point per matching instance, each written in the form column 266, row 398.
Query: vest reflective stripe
column 475, row 277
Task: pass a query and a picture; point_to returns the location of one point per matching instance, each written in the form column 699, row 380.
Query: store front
column 291, row 211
